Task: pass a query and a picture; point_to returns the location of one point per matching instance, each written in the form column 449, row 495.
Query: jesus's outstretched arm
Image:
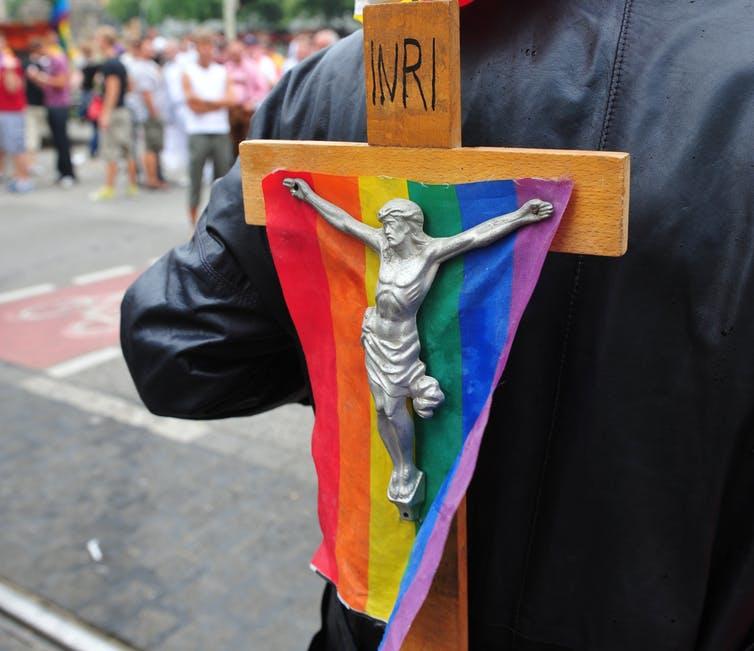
column 334, row 215
column 491, row 230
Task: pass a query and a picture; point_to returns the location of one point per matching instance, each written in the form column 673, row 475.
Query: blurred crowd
column 160, row 110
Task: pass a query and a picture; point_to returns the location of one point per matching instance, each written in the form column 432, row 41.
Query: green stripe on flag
column 439, row 439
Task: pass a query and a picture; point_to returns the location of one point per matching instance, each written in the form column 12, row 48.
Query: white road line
column 84, row 362
column 104, row 274
column 117, row 409
column 53, row 623
column 26, row 292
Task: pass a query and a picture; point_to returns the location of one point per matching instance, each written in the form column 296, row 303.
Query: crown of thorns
column 404, row 209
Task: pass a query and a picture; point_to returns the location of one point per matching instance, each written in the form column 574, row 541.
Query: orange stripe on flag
column 344, row 260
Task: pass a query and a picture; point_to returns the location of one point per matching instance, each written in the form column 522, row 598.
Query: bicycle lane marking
column 49, row 329
column 26, row 292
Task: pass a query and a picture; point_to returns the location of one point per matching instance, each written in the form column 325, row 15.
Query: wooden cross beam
column 412, row 73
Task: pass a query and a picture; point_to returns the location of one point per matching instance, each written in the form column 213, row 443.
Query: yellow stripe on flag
column 390, row 538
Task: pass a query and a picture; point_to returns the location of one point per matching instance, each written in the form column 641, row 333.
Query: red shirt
column 12, row 88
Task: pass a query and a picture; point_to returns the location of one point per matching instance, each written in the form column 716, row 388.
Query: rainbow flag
column 360, row 4
column 60, row 19
column 383, row 566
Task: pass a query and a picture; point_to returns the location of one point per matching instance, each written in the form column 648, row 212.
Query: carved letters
column 411, row 54
column 410, row 59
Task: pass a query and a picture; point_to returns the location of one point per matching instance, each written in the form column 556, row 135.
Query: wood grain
column 595, row 223
column 443, row 621
column 412, row 73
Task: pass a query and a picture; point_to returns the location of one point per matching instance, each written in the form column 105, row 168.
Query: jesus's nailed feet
column 409, row 503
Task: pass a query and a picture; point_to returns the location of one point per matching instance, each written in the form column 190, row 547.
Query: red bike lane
column 42, row 331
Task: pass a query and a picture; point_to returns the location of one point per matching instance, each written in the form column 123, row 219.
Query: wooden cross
column 413, row 95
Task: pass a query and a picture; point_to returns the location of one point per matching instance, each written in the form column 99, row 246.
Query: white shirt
column 211, row 84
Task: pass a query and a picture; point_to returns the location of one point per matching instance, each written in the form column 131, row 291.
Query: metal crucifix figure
column 409, row 261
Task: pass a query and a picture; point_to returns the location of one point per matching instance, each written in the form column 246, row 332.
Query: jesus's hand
column 298, row 187
column 536, row 209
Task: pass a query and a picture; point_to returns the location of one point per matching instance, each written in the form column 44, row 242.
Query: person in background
column 208, row 93
column 175, row 152
column 149, row 99
column 257, row 52
column 89, row 67
column 36, row 114
column 12, row 127
column 267, row 41
column 324, row 38
column 129, row 57
column 186, row 52
column 53, row 75
column 250, row 87
column 299, row 48
column 114, row 120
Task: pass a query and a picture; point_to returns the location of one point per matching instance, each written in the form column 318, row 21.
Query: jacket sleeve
column 205, row 331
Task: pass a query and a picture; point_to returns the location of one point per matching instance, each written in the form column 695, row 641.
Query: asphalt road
column 166, row 534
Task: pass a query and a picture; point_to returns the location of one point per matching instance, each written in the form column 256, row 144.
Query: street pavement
column 169, row 535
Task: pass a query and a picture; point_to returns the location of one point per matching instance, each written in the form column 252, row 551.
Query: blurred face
column 146, row 51
column 205, row 50
column 170, row 51
column 303, row 47
column 235, row 52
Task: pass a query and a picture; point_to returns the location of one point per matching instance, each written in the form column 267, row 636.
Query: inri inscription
column 412, row 74
column 413, row 68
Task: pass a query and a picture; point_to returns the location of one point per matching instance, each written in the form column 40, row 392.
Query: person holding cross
column 409, row 261
column 611, row 505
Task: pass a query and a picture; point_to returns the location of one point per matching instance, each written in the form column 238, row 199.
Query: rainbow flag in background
column 383, row 566
column 360, row 4
column 60, row 19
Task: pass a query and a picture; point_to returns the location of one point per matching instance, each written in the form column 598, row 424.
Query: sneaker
column 66, row 182
column 78, row 158
column 132, row 190
column 103, row 194
column 20, row 186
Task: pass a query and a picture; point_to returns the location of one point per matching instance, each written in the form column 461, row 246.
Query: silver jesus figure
column 409, row 261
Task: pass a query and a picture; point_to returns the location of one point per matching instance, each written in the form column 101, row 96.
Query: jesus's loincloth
column 394, row 368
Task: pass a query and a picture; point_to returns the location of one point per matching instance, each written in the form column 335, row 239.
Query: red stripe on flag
column 299, row 265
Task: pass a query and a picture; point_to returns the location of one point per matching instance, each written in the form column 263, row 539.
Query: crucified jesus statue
column 409, row 261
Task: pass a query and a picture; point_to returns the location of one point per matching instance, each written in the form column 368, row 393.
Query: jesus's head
column 401, row 219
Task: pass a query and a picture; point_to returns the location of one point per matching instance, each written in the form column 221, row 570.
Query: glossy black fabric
column 612, row 505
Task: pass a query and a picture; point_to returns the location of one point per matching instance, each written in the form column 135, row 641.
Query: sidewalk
column 205, row 529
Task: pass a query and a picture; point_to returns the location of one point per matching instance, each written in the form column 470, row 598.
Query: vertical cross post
column 412, row 71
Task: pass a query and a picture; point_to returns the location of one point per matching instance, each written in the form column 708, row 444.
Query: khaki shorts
column 154, row 135
column 115, row 142
column 36, row 127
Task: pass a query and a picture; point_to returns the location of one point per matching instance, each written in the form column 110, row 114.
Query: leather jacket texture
column 613, row 504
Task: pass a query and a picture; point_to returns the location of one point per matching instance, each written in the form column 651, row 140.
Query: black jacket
column 613, row 505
